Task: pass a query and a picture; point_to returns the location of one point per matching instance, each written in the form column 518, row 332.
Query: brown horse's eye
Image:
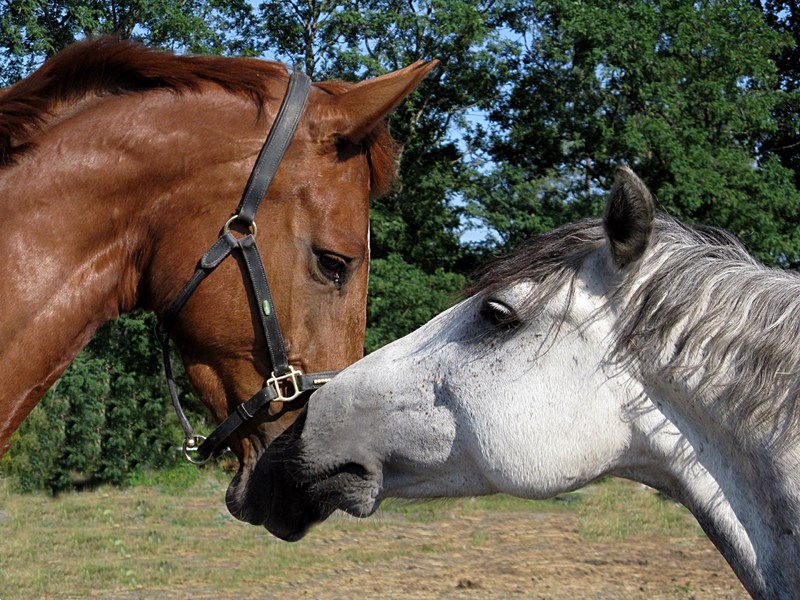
column 333, row 267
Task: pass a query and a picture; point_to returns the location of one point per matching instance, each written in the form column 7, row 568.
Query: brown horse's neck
column 85, row 210
column 67, row 276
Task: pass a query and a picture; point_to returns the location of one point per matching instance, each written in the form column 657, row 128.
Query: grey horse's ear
column 628, row 217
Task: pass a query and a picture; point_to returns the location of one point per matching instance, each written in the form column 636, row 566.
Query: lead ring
column 233, row 219
column 191, row 444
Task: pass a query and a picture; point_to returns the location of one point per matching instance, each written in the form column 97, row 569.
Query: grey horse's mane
column 696, row 308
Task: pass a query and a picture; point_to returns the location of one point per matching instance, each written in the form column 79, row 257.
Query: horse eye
column 332, row 267
column 499, row 313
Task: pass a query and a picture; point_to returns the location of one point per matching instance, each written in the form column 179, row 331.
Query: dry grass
column 173, row 538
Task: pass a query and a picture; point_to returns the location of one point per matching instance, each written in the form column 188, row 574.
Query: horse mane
column 108, row 66
column 697, row 308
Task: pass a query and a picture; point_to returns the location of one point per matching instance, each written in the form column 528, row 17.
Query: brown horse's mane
column 109, row 66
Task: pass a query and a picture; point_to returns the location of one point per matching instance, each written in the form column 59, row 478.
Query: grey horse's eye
column 499, row 313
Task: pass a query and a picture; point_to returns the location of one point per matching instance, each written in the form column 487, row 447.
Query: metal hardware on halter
column 227, row 227
column 291, row 383
column 191, row 444
column 286, row 382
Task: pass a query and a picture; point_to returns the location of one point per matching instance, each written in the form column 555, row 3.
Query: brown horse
column 118, row 166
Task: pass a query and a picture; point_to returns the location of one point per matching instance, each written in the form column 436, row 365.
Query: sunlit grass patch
column 620, row 509
column 171, row 534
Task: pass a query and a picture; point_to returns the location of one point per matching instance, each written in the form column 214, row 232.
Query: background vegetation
column 518, row 131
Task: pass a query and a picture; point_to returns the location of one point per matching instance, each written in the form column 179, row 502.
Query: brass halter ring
column 227, row 227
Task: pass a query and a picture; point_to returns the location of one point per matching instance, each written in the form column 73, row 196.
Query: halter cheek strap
column 286, row 382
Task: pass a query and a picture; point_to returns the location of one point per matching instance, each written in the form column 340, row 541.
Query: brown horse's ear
column 628, row 217
column 355, row 112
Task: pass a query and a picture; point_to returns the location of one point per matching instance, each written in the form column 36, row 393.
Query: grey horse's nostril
column 352, row 468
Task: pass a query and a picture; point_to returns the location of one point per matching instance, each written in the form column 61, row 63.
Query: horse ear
column 628, row 217
column 355, row 112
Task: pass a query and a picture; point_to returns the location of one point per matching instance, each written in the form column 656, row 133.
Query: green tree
column 32, row 461
column 81, row 393
column 685, row 92
column 784, row 16
column 403, row 296
column 140, row 427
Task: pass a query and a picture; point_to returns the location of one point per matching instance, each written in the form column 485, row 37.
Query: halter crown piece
column 286, row 382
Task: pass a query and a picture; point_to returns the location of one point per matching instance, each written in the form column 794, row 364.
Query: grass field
column 170, row 535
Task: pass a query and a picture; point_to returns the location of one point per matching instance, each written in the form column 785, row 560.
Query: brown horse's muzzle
column 266, row 493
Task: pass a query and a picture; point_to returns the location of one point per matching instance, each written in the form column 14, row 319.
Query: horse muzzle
column 331, row 480
column 265, row 492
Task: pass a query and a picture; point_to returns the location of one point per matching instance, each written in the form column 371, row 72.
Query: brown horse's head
column 313, row 234
column 120, row 165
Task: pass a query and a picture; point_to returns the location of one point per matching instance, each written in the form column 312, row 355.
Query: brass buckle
column 286, row 386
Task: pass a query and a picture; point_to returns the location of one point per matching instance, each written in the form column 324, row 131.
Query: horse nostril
column 346, row 470
column 352, row 468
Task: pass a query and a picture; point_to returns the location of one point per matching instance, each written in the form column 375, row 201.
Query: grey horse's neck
column 746, row 498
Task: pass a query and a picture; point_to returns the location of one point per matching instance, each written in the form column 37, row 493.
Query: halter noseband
column 286, row 382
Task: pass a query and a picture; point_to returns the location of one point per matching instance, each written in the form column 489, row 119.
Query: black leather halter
column 286, row 382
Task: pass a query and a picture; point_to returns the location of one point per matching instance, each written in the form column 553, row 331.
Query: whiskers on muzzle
column 266, row 492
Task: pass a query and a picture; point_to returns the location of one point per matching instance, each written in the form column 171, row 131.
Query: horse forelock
column 698, row 306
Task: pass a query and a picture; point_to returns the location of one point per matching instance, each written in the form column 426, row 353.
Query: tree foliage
column 784, row 142
column 106, row 416
column 403, row 296
column 520, row 129
column 685, row 92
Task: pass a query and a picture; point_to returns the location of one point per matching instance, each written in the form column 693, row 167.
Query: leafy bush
column 108, row 414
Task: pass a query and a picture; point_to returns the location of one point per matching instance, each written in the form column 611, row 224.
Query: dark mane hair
column 697, row 305
column 108, row 66
column 548, row 260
